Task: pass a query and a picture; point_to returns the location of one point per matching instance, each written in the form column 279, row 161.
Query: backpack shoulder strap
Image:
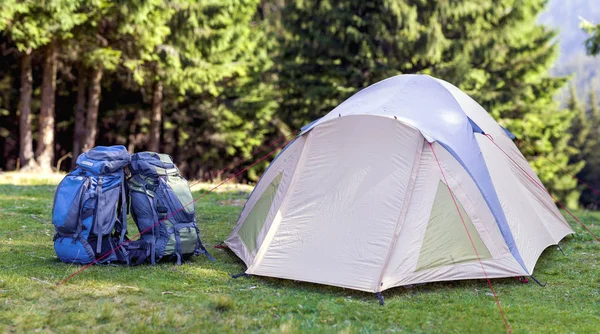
column 156, row 220
column 123, row 220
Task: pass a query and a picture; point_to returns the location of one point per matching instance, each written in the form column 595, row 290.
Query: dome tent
column 408, row 181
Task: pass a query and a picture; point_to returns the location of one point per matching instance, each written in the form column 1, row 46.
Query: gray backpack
column 163, row 208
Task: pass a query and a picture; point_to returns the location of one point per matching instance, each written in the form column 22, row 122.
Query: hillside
column 564, row 15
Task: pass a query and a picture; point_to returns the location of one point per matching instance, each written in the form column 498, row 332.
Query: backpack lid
column 152, row 163
column 104, row 159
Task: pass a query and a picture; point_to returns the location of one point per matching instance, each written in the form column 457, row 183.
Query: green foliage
column 493, row 50
column 32, row 24
column 142, row 35
column 592, row 44
column 214, row 60
column 590, row 153
column 239, row 73
column 343, row 47
column 108, row 57
column 579, row 134
column 580, row 127
column 210, row 41
column 211, row 57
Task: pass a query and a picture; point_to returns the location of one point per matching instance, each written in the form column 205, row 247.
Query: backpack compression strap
column 123, row 250
column 199, row 247
column 123, row 209
column 98, row 233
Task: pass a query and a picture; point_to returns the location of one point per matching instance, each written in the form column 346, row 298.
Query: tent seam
column 465, row 193
column 273, row 229
column 402, row 214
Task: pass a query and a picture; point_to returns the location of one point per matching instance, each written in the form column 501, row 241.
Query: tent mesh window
column 251, row 227
column 446, row 242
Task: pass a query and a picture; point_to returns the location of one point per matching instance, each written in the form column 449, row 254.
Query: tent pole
column 538, row 282
column 239, row 275
column 560, row 249
column 380, row 297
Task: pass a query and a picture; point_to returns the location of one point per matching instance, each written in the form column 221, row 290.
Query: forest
column 211, row 82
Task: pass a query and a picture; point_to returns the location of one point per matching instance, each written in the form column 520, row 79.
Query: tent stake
column 239, row 275
column 538, row 282
column 380, row 297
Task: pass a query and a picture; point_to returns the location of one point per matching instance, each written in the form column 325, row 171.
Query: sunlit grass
column 199, row 296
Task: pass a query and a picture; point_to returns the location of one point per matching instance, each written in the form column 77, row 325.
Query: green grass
column 199, row 296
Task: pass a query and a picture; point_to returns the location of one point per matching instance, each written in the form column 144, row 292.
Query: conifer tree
column 215, row 57
column 493, row 50
column 580, row 126
column 592, row 44
column 590, row 174
column 33, row 25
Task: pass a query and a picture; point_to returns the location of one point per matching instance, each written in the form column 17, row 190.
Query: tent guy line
column 489, row 282
column 561, row 168
column 232, row 165
column 544, row 188
column 171, row 214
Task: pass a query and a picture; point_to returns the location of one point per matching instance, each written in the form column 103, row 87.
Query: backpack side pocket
column 176, row 209
column 68, row 201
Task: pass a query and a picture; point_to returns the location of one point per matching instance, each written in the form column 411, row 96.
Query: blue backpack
column 89, row 204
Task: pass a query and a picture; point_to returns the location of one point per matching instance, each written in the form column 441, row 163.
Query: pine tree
column 592, row 44
column 196, row 73
column 97, row 54
column 15, row 20
column 578, row 138
column 146, row 25
column 33, row 25
column 343, row 47
column 590, row 174
column 513, row 84
column 594, row 104
column 211, row 68
column 493, row 50
column 580, row 126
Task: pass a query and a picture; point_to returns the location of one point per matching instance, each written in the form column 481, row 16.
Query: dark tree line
column 209, row 82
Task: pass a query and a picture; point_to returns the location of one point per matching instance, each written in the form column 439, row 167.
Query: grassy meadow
column 199, row 296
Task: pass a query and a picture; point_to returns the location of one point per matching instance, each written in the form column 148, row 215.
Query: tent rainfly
column 408, row 181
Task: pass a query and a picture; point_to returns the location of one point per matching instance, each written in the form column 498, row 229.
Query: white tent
column 408, row 181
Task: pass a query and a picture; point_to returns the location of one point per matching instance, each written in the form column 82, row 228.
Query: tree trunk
column 134, row 136
column 79, row 135
column 45, row 147
column 91, row 120
column 25, row 139
column 157, row 97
